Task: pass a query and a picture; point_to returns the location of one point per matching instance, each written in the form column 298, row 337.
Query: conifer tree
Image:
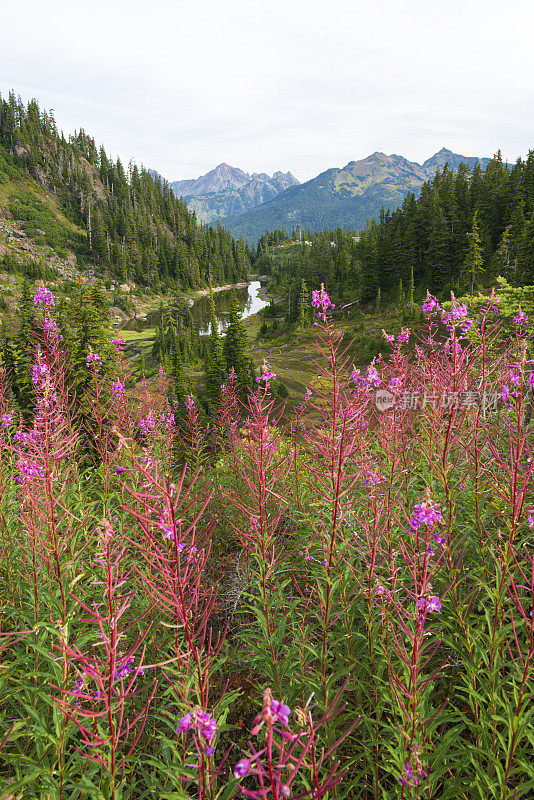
column 411, row 288
column 401, row 298
column 501, row 261
column 303, row 306
column 474, row 263
column 215, row 364
column 526, row 253
column 236, row 348
column 177, row 387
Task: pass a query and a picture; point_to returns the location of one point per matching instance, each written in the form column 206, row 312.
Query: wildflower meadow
column 334, row 601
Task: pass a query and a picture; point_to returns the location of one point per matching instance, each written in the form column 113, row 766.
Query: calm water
column 247, row 298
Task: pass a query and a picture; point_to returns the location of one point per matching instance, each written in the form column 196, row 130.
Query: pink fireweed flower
column 394, row 385
column 373, row 378
column 202, row 723
column 191, row 403
column 381, row 591
column 359, row 380
column 267, row 376
column 39, row 373
column 429, row 604
column 521, row 318
column 29, row 470
column 50, row 326
column 455, row 315
column 93, row 358
column 169, row 532
column 505, row 393
column 403, row 336
column 530, row 520
column 43, row 298
column 184, row 724
column 118, row 343
column 147, row 425
column 458, row 312
column 6, row 420
column 321, row 300
column 430, row 304
column 515, row 378
column 388, row 337
column 272, row 711
column 23, row 439
column 425, row 513
column 411, row 778
column 242, row 768
column 117, row 389
column 125, row 669
column 371, row 479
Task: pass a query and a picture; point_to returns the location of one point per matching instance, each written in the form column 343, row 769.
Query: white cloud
column 181, row 86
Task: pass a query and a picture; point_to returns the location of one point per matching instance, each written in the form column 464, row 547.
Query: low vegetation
column 336, row 602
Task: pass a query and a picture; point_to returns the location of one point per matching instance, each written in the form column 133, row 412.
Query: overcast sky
column 299, row 85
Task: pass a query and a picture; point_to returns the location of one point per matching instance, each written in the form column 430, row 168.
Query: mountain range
column 345, row 197
column 227, row 190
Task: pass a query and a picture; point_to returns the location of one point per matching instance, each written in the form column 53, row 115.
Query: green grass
column 33, row 214
column 292, row 354
column 138, row 336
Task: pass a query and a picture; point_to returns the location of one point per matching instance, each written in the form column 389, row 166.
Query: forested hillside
column 121, row 219
column 466, row 228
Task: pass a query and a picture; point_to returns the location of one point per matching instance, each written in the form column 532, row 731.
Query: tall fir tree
column 303, row 306
column 236, row 348
column 215, row 363
column 526, row 253
column 474, row 262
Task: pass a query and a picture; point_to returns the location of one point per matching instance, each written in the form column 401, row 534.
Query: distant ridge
column 227, row 190
column 345, row 197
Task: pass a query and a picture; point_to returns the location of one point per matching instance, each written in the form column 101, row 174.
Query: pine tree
column 526, row 253
column 177, row 387
column 501, row 261
column 236, row 348
column 378, row 301
column 401, row 298
column 303, row 306
column 215, row 364
column 411, row 288
column 474, row 263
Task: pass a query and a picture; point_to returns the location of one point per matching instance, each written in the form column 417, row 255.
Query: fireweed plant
column 333, row 603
